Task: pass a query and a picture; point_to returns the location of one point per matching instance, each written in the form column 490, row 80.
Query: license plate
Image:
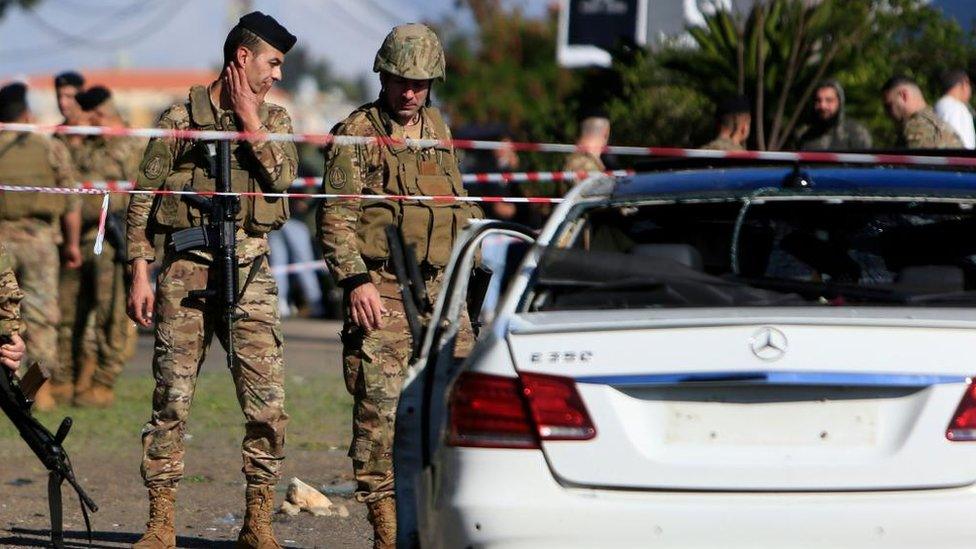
column 824, row 423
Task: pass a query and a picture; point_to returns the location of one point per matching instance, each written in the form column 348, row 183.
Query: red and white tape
column 669, row 152
column 326, row 196
column 471, row 178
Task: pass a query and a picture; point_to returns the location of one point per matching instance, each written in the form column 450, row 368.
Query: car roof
column 883, row 180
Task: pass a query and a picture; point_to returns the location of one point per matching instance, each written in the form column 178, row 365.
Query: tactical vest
column 24, row 160
column 196, row 169
column 430, row 226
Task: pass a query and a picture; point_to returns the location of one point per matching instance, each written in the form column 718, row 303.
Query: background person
column 954, row 108
column 920, row 127
column 830, row 129
column 734, row 121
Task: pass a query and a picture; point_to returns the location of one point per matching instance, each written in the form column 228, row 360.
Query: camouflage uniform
column 352, row 237
column 925, row 130
column 722, row 144
column 108, row 338
column 10, row 296
column 29, row 229
column 184, row 330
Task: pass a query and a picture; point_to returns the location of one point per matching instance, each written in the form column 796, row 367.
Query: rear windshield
column 826, row 252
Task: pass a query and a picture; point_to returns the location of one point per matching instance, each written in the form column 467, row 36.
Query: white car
column 750, row 357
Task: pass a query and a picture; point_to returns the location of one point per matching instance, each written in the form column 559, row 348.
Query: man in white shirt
column 954, row 106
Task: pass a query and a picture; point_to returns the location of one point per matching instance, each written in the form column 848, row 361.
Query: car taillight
column 963, row 424
column 501, row 412
column 557, row 408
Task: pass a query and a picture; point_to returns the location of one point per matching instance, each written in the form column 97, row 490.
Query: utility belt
column 427, row 271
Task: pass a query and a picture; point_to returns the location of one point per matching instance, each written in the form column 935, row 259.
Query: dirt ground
column 105, row 449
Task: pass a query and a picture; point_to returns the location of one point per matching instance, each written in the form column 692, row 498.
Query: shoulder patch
column 337, row 178
column 154, row 168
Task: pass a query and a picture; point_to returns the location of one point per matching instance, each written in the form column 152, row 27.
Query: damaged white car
column 747, row 357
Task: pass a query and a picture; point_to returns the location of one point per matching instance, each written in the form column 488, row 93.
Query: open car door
column 421, row 408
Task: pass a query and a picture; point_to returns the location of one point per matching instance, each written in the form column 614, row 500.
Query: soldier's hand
column 12, row 353
column 243, row 99
column 365, row 306
column 141, row 298
column 71, row 254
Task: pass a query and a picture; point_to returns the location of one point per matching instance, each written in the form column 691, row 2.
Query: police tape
column 349, row 140
column 303, row 266
column 324, row 196
column 471, row 178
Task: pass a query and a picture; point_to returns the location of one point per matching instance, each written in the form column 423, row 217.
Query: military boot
column 256, row 532
column 61, row 392
column 96, row 396
column 85, row 372
column 160, row 531
column 382, row 515
column 43, row 401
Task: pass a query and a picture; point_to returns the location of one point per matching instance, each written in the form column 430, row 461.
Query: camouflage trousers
column 374, row 366
column 184, row 330
column 94, row 325
column 32, row 244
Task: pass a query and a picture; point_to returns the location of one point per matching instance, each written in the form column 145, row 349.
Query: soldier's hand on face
column 71, row 254
column 141, row 298
column 243, row 99
column 365, row 306
column 12, row 353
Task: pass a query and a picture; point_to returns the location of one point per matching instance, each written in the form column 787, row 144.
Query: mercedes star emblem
column 768, row 344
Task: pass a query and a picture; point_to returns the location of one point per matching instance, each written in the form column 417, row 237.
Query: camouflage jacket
column 10, row 296
column 358, row 169
column 844, row 135
column 278, row 163
column 723, row 144
column 925, row 130
column 579, row 162
column 105, row 159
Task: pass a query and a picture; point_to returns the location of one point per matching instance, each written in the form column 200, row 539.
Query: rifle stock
column 413, row 291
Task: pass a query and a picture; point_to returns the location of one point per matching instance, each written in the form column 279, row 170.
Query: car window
column 814, row 252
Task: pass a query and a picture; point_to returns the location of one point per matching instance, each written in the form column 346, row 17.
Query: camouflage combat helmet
column 411, row 51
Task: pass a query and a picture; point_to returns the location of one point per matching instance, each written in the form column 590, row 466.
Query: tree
column 774, row 54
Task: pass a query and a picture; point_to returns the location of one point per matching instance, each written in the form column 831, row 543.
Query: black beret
column 734, row 105
column 91, row 98
column 69, row 78
column 13, row 101
column 269, row 30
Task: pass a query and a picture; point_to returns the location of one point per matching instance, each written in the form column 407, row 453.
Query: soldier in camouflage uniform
column 12, row 352
column 97, row 348
column 831, row 129
column 29, row 230
column 734, row 121
column 921, row 128
column 376, row 339
column 253, row 55
column 594, row 135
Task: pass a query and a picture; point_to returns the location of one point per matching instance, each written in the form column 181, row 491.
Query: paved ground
column 105, row 449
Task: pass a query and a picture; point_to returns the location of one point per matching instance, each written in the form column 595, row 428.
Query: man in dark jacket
column 830, row 129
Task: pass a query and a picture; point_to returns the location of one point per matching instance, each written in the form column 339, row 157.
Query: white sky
column 95, row 34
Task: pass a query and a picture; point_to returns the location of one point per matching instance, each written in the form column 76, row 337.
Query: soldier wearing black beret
column 253, row 55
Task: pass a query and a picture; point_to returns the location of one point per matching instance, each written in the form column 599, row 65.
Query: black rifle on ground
column 413, row 291
column 16, row 400
column 219, row 237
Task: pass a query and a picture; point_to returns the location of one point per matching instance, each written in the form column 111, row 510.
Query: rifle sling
column 252, row 273
column 54, row 481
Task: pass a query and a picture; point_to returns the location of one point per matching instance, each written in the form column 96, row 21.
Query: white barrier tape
column 470, row 178
column 345, row 140
column 326, row 196
column 299, row 267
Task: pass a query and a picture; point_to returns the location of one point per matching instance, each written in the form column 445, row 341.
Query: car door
column 421, row 407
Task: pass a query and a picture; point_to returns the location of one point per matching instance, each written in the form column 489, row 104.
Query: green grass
column 320, row 410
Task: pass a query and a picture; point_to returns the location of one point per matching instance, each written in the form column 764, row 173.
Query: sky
column 97, row 34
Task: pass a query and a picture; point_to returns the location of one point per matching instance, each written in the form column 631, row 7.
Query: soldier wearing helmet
column 376, row 338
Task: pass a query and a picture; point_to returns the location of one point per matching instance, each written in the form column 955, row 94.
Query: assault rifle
column 413, row 291
column 16, row 399
column 219, row 237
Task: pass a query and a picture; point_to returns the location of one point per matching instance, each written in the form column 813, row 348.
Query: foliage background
column 506, row 71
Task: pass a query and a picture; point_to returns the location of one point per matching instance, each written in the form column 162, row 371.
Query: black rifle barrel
column 226, row 263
